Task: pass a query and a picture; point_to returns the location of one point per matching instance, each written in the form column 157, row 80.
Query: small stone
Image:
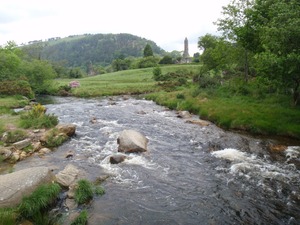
column 44, row 150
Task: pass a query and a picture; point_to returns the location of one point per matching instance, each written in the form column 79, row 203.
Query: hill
column 98, row 49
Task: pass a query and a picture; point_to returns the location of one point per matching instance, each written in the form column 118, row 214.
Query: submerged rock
column 132, row 141
column 14, row 186
column 118, row 158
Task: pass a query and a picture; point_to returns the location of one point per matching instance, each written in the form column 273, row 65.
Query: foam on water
column 251, row 166
column 230, row 154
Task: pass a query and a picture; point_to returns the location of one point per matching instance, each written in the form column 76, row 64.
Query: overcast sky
column 166, row 22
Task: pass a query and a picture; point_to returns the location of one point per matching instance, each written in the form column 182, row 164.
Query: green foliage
column 121, row 64
column 84, row 192
column 39, row 200
column 16, row 87
column 36, row 118
column 40, row 75
column 149, row 61
column 8, row 216
column 156, row 73
column 100, row 49
column 269, row 33
column 99, row 190
column 75, row 73
column 15, row 135
column 148, row 51
column 82, row 219
column 167, row 59
column 55, row 139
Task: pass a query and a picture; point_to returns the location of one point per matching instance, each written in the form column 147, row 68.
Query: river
column 191, row 174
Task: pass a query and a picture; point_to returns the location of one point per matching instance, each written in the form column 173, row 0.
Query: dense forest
column 96, row 49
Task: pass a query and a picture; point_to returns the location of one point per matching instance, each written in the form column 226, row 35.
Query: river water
column 191, row 174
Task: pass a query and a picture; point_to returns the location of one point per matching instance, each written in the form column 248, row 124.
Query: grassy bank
column 138, row 81
column 234, row 106
column 269, row 116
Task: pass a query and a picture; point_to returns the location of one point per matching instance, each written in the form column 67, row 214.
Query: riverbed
column 191, row 174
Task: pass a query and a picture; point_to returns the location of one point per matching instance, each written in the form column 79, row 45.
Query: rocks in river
column 132, row 141
column 68, row 129
column 59, row 134
column 67, row 176
column 117, row 158
column 5, row 152
column 22, row 144
column 199, row 122
column 14, row 186
column 184, row 114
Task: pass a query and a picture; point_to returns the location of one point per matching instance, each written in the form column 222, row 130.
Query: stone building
column 186, row 56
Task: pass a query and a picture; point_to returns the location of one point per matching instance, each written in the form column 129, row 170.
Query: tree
column 278, row 23
column 166, row 60
column 148, row 51
column 235, row 27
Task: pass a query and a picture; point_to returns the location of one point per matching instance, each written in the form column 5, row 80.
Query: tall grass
column 84, row 192
column 268, row 115
column 8, row 216
column 39, row 201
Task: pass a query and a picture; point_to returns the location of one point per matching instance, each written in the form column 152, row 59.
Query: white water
column 190, row 175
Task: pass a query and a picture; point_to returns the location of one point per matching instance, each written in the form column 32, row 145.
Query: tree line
column 260, row 41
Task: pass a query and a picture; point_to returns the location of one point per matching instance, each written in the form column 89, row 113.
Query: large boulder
column 68, row 129
column 67, row 176
column 132, row 141
column 57, row 135
column 14, row 186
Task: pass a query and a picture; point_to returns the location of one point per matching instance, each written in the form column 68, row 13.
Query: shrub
column 14, row 136
column 16, row 87
column 55, row 139
column 36, row 118
column 156, row 73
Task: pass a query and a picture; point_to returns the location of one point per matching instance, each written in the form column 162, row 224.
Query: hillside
column 98, row 49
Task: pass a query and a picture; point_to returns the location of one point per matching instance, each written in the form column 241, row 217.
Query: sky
column 166, row 22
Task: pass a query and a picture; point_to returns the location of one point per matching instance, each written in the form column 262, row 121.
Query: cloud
column 165, row 22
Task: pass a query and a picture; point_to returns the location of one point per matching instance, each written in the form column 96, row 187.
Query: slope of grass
column 136, row 81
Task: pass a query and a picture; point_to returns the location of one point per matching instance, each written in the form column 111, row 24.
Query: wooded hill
column 98, row 49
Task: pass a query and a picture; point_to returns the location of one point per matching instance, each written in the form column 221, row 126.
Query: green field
column 269, row 114
column 137, row 81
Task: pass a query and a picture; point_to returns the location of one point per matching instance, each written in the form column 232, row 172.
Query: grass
column 8, row 216
column 12, row 102
column 33, row 207
column 39, row 200
column 137, row 81
column 84, row 192
column 271, row 115
column 81, row 219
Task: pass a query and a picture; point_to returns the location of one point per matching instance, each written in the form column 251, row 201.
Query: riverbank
column 248, row 109
column 237, row 106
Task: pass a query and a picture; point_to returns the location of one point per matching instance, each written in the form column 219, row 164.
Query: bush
column 55, row 139
column 36, row 118
column 16, row 87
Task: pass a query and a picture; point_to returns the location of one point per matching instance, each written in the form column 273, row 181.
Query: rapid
column 190, row 174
